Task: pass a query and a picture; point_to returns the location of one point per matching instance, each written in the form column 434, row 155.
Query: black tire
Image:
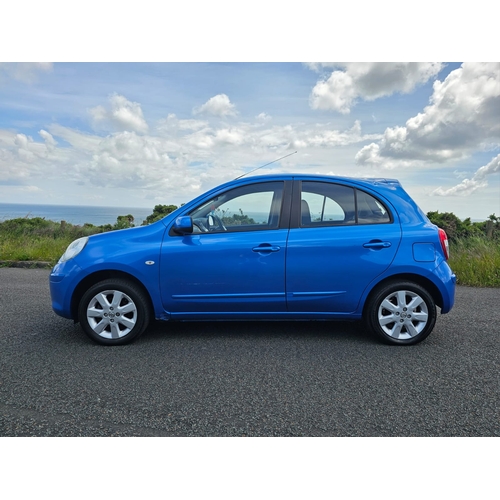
column 114, row 312
column 401, row 313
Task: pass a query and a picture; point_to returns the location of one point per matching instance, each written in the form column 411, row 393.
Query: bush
column 159, row 212
column 457, row 229
column 124, row 222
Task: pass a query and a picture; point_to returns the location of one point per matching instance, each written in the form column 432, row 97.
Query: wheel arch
column 98, row 276
column 414, row 278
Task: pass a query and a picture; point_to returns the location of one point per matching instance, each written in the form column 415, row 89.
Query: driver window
column 249, row 208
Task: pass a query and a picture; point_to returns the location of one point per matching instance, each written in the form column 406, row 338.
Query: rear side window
column 370, row 210
column 327, row 204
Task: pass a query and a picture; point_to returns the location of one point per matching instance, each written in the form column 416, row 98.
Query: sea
column 77, row 215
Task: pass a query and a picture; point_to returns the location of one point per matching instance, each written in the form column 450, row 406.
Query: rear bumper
column 448, row 284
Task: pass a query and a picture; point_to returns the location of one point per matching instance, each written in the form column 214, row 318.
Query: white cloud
column 175, row 160
column 122, row 114
column 31, row 189
column 22, row 158
column 219, row 105
column 24, row 72
column 319, row 66
column 367, row 81
column 174, row 124
column 460, row 174
column 79, row 140
column 468, row 186
column 462, row 118
column 232, row 136
column 50, row 142
column 263, row 117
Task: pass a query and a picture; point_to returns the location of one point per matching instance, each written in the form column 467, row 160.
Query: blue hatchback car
column 268, row 247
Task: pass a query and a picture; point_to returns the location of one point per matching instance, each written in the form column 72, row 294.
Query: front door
column 234, row 262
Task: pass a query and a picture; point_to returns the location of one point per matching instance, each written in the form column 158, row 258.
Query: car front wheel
column 401, row 313
column 114, row 312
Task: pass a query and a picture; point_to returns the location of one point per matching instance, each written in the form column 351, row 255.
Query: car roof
column 367, row 181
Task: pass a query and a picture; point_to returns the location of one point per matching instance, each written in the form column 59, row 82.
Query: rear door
column 340, row 239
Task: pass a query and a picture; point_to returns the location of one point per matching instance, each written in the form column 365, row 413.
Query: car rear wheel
column 114, row 312
column 401, row 313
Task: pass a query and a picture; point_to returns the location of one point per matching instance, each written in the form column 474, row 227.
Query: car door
column 234, row 261
column 340, row 239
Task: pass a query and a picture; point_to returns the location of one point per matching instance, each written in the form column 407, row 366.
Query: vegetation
column 159, row 211
column 37, row 239
column 457, row 229
column 474, row 246
column 476, row 261
column 236, row 219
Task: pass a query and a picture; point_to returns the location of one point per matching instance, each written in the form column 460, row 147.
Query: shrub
column 456, row 228
column 159, row 212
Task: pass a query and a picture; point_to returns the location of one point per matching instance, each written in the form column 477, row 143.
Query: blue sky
column 139, row 134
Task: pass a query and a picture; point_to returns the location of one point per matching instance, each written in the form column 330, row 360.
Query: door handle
column 266, row 248
column 377, row 244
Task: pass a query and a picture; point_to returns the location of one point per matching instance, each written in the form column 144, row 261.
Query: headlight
column 74, row 249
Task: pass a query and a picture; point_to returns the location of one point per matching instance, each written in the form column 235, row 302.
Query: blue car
column 304, row 247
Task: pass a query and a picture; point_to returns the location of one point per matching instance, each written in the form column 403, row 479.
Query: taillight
column 443, row 238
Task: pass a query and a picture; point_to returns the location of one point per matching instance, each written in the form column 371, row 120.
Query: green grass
column 476, row 261
column 36, row 239
column 39, row 249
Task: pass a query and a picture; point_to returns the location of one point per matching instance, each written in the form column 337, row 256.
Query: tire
column 401, row 313
column 114, row 312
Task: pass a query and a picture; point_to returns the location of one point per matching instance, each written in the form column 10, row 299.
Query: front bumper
column 62, row 283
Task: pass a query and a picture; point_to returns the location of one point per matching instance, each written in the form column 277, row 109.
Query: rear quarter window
column 370, row 210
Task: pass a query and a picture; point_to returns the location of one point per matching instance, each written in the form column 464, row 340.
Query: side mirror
column 183, row 225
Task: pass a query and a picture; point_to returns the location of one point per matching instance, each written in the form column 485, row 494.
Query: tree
column 159, row 212
column 456, row 228
column 237, row 220
column 124, row 222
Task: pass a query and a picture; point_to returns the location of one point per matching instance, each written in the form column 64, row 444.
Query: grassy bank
column 475, row 259
column 37, row 239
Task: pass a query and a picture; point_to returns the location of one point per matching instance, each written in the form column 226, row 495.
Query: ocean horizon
column 77, row 215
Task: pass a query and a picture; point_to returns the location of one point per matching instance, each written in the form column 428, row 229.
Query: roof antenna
column 274, row 161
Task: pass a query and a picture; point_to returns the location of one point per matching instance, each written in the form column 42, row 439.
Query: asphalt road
column 245, row 379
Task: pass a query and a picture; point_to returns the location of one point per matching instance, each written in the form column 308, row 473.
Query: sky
column 141, row 134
